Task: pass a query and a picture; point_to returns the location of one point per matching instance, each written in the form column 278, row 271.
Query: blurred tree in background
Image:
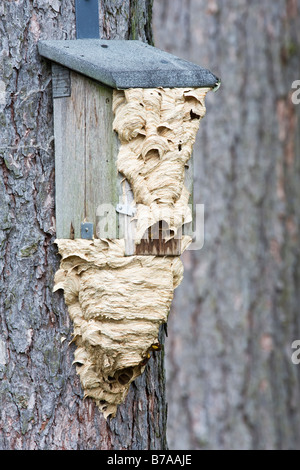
column 231, row 382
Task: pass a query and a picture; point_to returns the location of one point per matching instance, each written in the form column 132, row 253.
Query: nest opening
column 124, row 376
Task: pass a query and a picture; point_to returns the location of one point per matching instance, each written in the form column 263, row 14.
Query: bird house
column 125, row 119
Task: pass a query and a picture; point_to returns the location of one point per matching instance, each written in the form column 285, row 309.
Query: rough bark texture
column 41, row 405
column 126, row 19
column 231, row 383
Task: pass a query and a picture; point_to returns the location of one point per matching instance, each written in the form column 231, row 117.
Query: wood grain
column 70, row 176
column 85, row 150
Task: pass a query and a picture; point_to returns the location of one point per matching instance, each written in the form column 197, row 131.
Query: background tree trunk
column 230, row 380
column 41, row 405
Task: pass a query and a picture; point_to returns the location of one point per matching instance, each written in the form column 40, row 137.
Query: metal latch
column 126, row 209
column 87, row 230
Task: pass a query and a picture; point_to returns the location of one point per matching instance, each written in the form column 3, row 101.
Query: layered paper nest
column 117, row 304
column 157, row 128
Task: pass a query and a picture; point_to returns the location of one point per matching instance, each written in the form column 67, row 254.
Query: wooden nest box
column 93, row 199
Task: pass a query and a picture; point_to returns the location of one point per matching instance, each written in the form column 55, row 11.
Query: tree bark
column 42, row 404
column 231, row 383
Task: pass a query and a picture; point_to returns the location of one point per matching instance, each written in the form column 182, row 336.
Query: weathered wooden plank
column 101, row 150
column 86, row 149
column 69, row 132
column 61, row 81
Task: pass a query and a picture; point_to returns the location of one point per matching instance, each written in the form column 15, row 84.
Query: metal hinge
column 126, row 209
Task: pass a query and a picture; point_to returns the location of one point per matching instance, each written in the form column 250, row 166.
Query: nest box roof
column 126, row 64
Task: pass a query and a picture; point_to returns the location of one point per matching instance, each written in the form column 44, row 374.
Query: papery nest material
column 117, row 305
column 157, row 128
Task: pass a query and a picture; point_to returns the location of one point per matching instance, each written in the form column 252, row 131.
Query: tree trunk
column 42, row 404
column 231, row 383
